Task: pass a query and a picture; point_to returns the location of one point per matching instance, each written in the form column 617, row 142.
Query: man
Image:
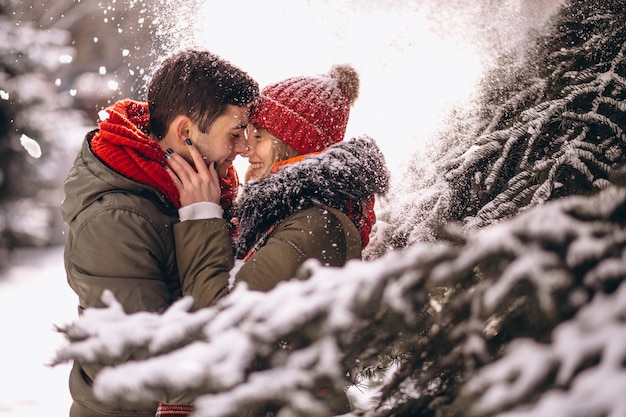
column 121, row 203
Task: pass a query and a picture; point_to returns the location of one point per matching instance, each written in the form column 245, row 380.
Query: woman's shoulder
column 317, row 213
column 321, row 226
column 320, row 217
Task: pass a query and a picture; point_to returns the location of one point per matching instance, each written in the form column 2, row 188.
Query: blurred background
column 61, row 61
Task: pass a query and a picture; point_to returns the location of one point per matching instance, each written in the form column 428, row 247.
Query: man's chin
column 222, row 169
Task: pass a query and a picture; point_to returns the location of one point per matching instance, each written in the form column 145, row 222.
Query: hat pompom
column 347, row 79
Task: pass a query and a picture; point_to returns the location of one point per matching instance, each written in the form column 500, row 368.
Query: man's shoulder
column 115, row 203
column 92, row 186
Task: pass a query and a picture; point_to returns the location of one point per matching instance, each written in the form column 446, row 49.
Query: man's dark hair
column 199, row 84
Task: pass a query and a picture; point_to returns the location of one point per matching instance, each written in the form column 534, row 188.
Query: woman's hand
column 194, row 185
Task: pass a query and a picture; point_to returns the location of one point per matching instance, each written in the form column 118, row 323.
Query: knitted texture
column 308, row 113
column 123, row 144
column 165, row 410
column 345, row 176
column 229, row 186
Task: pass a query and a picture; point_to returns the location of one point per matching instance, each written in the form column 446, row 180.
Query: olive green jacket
column 120, row 239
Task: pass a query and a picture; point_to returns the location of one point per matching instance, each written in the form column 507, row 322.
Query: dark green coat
column 121, row 239
column 321, row 233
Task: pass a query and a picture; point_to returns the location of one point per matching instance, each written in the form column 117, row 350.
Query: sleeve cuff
column 202, row 210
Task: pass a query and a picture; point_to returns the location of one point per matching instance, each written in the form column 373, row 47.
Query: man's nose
column 241, row 145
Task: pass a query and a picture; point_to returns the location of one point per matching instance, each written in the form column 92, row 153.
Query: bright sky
column 417, row 59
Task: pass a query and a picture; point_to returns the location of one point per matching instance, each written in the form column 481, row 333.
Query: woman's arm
column 313, row 233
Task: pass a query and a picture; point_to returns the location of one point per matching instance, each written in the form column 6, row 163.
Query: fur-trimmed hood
column 349, row 171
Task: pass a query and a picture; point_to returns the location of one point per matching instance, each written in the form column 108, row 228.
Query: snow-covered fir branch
column 313, row 320
column 520, row 278
column 533, row 272
column 585, row 381
column 554, row 128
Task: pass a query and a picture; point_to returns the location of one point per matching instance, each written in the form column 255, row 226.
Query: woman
column 308, row 193
column 296, row 207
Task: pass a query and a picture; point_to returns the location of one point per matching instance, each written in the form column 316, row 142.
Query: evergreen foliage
column 537, row 280
column 550, row 128
column 31, row 105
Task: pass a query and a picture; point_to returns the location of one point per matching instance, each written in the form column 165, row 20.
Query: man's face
column 225, row 138
column 239, row 147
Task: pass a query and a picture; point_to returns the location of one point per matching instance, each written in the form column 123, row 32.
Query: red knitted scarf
column 164, row 410
column 124, row 145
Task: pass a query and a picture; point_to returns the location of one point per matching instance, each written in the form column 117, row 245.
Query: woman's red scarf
column 361, row 213
column 124, row 145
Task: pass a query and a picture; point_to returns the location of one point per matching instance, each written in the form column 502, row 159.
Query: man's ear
column 182, row 126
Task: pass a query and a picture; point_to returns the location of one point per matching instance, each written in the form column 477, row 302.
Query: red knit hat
column 308, row 113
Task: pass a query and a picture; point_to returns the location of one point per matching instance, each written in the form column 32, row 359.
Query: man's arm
column 205, row 256
column 123, row 252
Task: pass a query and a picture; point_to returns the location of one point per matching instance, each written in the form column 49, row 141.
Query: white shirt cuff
column 201, row 210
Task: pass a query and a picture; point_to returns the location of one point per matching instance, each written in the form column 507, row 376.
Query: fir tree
column 552, row 127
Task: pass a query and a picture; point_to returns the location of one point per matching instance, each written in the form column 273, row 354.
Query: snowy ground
column 33, row 297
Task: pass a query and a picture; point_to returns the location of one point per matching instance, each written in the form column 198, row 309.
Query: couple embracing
column 152, row 200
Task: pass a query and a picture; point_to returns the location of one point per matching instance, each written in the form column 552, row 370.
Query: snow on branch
column 534, row 273
column 552, row 126
column 297, row 332
column 588, row 110
column 579, row 386
column 517, row 279
column 105, row 336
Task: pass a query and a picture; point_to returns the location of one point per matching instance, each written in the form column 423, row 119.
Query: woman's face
column 261, row 153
